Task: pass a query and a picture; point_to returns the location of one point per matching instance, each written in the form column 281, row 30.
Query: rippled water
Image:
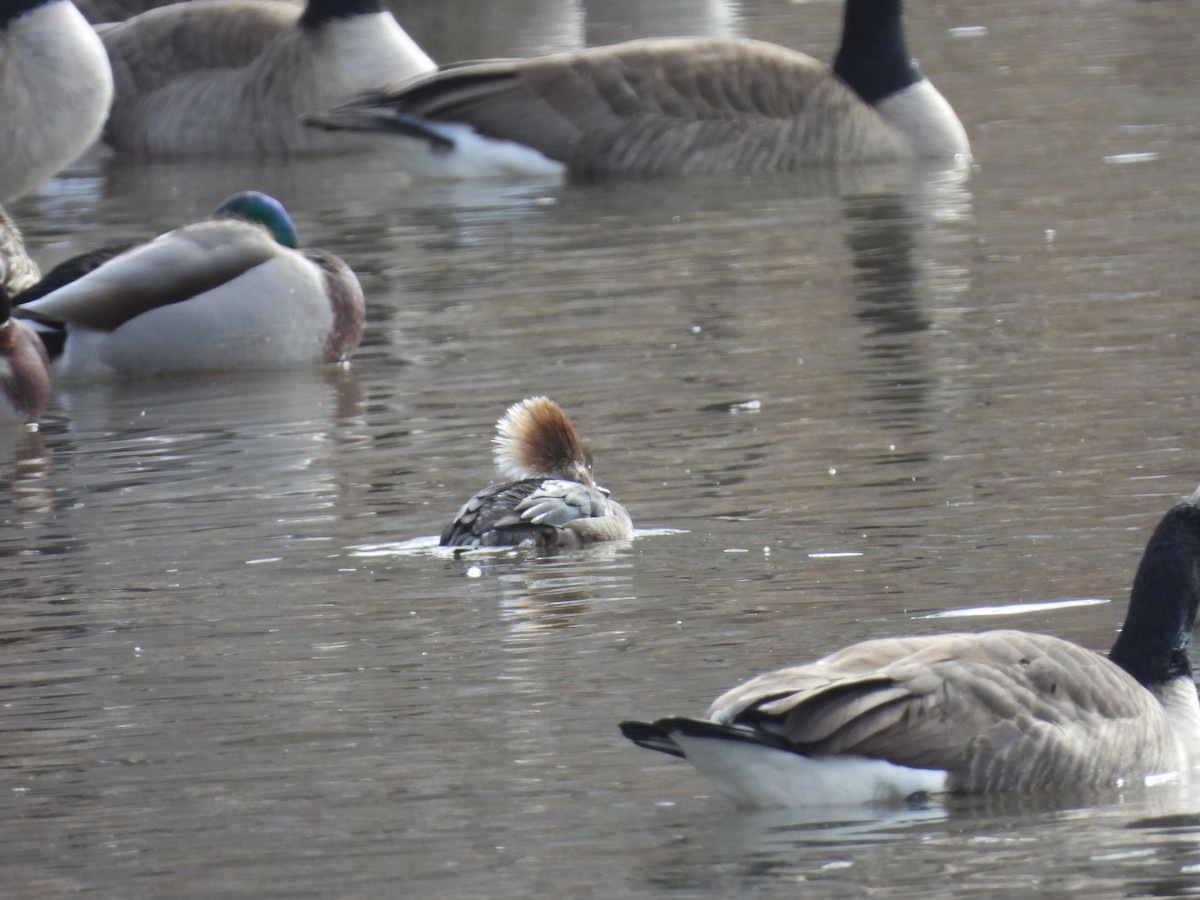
column 234, row 664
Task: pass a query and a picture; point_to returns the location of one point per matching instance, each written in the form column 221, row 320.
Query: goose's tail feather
column 659, row 734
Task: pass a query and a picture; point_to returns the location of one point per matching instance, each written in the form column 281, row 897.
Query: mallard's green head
column 255, row 206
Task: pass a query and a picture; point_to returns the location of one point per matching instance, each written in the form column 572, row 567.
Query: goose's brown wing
column 164, row 43
column 1001, row 710
column 659, row 106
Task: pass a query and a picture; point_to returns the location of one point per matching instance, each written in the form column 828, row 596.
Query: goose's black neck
column 873, row 58
column 318, row 12
column 1157, row 634
column 10, row 9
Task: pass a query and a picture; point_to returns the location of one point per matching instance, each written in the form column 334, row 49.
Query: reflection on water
column 897, row 281
column 902, row 852
column 612, row 21
column 25, row 488
column 453, row 30
column 861, row 403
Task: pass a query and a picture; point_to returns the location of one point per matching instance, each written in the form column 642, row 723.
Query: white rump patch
column 755, row 775
column 473, row 156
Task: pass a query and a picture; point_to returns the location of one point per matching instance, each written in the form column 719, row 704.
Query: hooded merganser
column 554, row 501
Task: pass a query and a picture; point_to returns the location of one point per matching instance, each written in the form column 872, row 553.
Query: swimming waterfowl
column 232, row 77
column 55, row 90
column 671, row 106
column 17, row 270
column 99, row 12
column 554, row 501
column 24, row 371
column 967, row 713
column 228, row 293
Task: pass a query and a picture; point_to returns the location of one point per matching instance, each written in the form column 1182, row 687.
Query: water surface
column 836, row 405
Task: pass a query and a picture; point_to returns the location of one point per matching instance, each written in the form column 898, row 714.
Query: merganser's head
column 536, row 439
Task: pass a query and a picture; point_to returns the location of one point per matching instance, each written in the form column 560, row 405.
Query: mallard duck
column 671, row 106
column 228, row 293
column 55, row 90
column 24, row 371
column 967, row 713
column 232, row 77
column 554, row 501
column 17, row 270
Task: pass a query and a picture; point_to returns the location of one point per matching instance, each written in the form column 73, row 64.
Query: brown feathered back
column 999, row 710
column 656, row 106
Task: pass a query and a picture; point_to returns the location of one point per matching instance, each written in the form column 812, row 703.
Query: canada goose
column 55, row 89
column 967, row 713
column 671, row 106
column 555, row 502
column 103, row 11
column 228, row 293
column 234, row 76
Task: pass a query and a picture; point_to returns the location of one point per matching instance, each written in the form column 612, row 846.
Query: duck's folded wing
column 486, row 513
column 989, row 708
column 176, row 266
column 535, row 510
column 68, row 270
column 559, row 503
